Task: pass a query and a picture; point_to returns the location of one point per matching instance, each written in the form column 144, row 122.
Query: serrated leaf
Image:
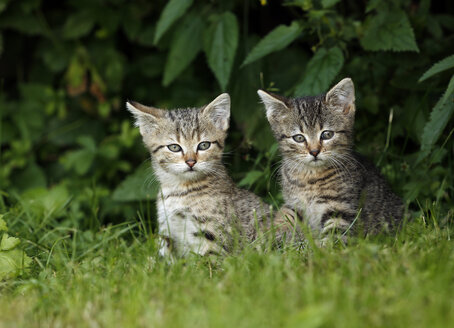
column 439, row 118
column 320, row 71
column 3, row 226
column 277, row 39
column 138, row 186
column 389, row 31
column 329, row 3
column 221, row 42
column 439, row 67
column 186, row 45
column 78, row 25
column 449, row 90
column 172, row 11
column 8, row 242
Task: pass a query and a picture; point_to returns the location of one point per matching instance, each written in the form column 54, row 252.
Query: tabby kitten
column 199, row 206
column 323, row 180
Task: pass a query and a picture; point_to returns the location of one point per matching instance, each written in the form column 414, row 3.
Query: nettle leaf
column 78, row 25
column 389, row 31
column 186, row 44
column 172, row 11
column 8, row 242
column 439, row 118
column 277, row 39
column 140, row 185
column 320, row 71
column 221, row 42
column 439, row 67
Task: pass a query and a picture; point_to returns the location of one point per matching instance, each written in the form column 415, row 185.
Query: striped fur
column 199, row 209
column 329, row 189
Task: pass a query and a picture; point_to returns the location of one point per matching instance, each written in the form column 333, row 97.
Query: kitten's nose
column 314, row 152
column 191, row 162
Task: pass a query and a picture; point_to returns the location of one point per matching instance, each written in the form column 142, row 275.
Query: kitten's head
column 185, row 143
column 314, row 131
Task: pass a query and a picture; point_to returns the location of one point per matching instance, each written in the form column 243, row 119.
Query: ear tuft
column 274, row 104
column 145, row 117
column 342, row 96
column 219, row 111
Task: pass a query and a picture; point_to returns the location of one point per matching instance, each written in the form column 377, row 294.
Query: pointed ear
column 342, row 96
column 146, row 118
column 275, row 105
column 219, row 111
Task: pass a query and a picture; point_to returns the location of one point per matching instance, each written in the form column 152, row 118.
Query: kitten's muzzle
column 191, row 163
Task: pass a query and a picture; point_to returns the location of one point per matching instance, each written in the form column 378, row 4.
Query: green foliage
column 186, row 44
column 13, row 261
column 276, row 40
column 389, row 31
column 321, row 71
column 439, row 118
column 172, row 11
column 439, row 67
column 221, row 41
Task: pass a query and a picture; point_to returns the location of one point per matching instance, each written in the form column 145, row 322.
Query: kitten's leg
column 334, row 227
column 285, row 226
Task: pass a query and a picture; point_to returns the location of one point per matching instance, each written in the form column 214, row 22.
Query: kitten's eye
column 204, row 145
column 174, row 147
column 326, row 135
column 299, row 138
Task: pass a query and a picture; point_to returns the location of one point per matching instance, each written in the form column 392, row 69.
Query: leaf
column 250, row 178
column 12, row 263
column 172, row 11
column 329, row 3
column 320, row 71
column 221, row 43
column 3, row 226
column 78, row 25
column 277, row 39
column 185, row 46
column 389, row 31
column 439, row 118
column 449, row 89
column 8, row 242
column 439, row 67
column 137, row 186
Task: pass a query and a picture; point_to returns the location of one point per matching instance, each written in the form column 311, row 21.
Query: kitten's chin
column 316, row 163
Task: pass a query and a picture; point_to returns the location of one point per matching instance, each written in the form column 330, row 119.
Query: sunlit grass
column 114, row 279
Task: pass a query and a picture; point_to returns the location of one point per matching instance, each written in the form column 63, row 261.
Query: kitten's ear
column 219, row 111
column 275, row 105
column 342, row 96
column 146, row 118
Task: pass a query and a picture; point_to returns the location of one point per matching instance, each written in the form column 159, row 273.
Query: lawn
column 114, row 279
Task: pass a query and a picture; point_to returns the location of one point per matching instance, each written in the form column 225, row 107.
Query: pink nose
column 191, row 162
column 314, row 152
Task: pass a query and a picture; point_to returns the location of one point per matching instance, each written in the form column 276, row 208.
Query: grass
column 114, row 279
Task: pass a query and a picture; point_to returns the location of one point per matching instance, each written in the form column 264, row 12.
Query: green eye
column 299, row 138
column 204, row 145
column 326, row 135
column 174, row 147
